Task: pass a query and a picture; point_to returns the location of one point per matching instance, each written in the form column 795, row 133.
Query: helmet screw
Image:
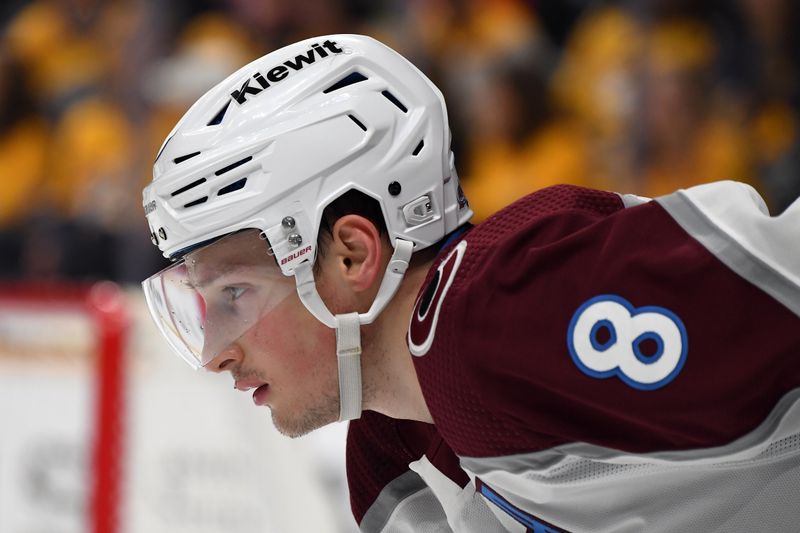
column 162, row 233
column 153, row 238
column 394, row 188
column 287, row 222
column 295, row 239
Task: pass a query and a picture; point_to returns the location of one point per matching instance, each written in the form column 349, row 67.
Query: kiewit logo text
column 280, row 72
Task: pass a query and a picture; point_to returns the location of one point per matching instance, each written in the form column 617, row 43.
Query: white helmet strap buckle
column 348, row 326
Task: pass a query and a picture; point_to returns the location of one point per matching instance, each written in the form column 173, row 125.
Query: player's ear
column 357, row 251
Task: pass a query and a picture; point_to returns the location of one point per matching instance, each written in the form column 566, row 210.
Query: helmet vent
column 217, row 120
column 358, row 122
column 183, row 158
column 192, row 185
column 393, row 99
column 419, row 147
column 235, row 186
column 350, row 79
column 233, row 165
column 196, row 202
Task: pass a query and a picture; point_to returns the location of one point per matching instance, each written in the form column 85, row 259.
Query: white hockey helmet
column 276, row 142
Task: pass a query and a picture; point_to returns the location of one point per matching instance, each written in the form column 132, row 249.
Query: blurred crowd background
column 640, row 96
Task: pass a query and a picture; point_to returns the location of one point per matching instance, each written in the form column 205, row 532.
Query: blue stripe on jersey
column 531, row 522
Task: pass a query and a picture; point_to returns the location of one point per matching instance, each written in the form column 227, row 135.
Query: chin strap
column 348, row 356
column 348, row 326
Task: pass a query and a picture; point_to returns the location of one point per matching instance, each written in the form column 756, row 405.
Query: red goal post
column 103, row 304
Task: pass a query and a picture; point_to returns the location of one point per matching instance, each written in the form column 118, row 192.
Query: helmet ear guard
column 277, row 141
column 307, row 288
column 347, row 326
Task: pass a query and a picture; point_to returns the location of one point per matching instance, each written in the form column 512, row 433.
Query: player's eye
column 233, row 293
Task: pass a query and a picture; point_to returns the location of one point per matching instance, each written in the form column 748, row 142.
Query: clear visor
column 215, row 295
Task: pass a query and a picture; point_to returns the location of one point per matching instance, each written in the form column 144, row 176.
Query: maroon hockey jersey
column 599, row 362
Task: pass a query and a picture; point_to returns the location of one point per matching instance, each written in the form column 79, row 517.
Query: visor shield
column 216, row 294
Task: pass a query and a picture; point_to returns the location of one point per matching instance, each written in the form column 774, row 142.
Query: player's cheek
column 269, row 340
column 315, row 349
column 300, row 342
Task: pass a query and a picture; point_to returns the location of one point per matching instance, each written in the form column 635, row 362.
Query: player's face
column 289, row 359
column 285, row 358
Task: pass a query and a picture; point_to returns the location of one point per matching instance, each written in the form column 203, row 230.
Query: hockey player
column 582, row 361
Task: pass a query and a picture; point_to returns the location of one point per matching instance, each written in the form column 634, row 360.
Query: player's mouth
column 260, row 393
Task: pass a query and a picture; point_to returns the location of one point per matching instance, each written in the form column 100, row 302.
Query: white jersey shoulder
column 732, row 221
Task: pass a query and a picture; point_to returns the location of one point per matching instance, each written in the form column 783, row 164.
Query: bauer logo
column 263, row 80
column 296, row 255
column 149, row 207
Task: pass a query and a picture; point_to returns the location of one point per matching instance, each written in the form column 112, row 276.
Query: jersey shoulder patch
column 422, row 328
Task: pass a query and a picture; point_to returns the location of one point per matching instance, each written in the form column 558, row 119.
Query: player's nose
column 227, row 359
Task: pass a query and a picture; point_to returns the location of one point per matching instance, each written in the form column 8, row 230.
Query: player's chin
column 298, row 424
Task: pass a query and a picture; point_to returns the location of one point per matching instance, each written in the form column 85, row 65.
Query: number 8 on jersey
column 645, row 347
